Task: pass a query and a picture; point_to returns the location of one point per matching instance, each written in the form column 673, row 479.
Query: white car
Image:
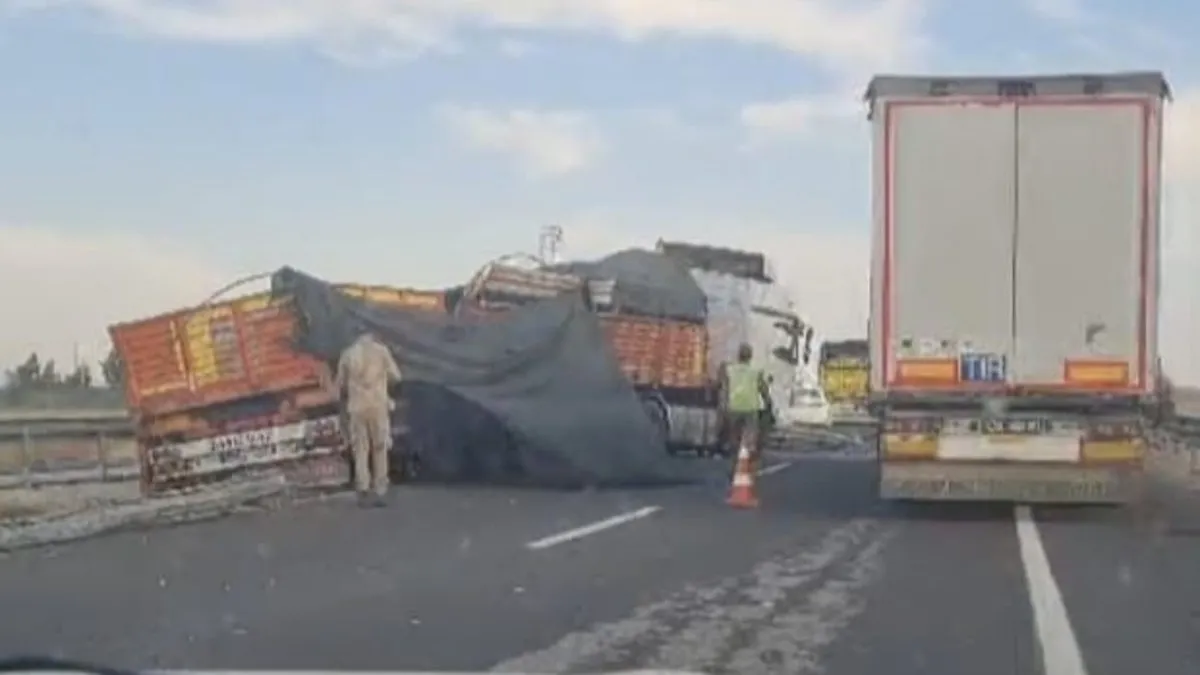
column 809, row 409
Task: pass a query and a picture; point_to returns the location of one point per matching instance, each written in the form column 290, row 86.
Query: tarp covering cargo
column 535, row 397
column 644, row 282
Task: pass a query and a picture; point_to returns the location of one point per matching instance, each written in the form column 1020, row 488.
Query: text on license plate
column 1015, row 426
column 242, row 441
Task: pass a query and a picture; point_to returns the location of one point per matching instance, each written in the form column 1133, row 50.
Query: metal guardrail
column 26, row 415
column 60, row 447
column 1181, row 435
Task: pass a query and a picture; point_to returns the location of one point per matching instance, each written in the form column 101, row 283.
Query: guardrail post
column 102, row 455
column 26, row 455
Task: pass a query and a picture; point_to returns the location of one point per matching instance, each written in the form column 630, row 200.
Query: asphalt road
column 824, row 578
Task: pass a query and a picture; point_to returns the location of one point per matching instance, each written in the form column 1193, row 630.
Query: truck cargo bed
column 1016, row 234
column 659, row 352
column 223, row 352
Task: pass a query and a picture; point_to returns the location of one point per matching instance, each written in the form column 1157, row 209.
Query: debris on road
column 23, row 505
column 118, row 515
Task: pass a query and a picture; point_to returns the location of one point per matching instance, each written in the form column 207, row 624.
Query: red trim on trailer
column 885, row 324
column 889, row 217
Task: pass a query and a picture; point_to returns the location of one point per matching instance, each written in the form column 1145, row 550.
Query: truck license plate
column 1029, row 426
column 243, row 441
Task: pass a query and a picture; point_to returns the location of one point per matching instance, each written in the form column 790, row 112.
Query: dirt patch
column 1172, row 460
column 52, row 500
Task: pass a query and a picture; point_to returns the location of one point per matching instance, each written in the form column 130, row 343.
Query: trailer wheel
column 656, row 410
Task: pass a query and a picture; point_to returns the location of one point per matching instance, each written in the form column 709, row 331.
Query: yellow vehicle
column 845, row 368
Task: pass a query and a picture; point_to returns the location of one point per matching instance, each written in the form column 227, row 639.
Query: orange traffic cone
column 743, row 494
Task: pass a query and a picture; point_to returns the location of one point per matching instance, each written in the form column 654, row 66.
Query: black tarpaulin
column 533, row 397
column 645, row 282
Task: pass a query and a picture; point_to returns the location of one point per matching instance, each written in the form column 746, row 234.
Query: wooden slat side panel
column 268, row 330
column 235, row 349
column 658, row 352
column 153, row 356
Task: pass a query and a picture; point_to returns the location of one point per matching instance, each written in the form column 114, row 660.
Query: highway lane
column 1131, row 582
column 824, row 578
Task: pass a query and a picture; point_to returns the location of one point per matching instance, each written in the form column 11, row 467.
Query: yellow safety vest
column 742, row 394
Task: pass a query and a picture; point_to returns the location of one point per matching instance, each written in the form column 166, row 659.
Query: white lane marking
column 1060, row 650
column 774, row 468
column 580, row 532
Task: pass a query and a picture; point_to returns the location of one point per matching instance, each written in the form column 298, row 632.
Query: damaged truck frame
column 671, row 360
column 218, row 389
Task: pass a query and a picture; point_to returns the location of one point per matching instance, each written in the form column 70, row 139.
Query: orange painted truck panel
column 660, row 352
column 217, row 353
column 650, row 351
column 227, row 351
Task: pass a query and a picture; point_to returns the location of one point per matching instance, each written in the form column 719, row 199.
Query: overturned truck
column 220, row 388
column 527, row 374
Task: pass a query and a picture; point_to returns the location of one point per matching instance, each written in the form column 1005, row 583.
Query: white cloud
column 61, row 290
column 1102, row 39
column 545, row 142
column 516, row 49
column 863, row 36
column 826, row 272
column 801, row 116
column 1064, row 11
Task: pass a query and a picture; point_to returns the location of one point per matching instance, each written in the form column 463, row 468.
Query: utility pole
column 549, row 242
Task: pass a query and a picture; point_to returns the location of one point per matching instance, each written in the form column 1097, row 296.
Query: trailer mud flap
column 940, row 481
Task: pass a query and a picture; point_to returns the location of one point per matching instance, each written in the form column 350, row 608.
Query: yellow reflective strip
column 1130, row 450
column 905, row 446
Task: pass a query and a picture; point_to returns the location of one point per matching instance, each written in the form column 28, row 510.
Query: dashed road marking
column 1060, row 649
column 592, row 528
column 774, row 468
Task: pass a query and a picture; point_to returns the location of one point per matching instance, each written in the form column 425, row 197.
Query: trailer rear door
column 1080, row 291
column 950, row 184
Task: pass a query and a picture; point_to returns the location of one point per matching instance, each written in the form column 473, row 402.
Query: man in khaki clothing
column 365, row 370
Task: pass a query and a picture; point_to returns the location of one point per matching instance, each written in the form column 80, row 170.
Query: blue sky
column 155, row 150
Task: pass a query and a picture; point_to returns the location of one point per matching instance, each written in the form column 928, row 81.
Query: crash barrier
column 46, row 447
column 1181, row 435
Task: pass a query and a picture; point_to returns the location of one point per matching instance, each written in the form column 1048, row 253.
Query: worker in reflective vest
column 744, row 396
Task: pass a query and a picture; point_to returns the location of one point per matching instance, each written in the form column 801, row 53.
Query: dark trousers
column 743, row 429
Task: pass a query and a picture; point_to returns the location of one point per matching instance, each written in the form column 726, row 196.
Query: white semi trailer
column 1015, row 276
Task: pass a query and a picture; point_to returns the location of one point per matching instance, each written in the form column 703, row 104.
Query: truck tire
column 656, row 410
